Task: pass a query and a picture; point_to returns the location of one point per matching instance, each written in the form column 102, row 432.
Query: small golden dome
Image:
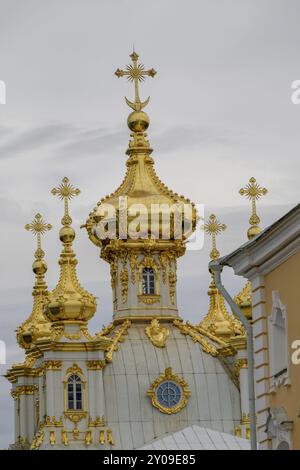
column 138, row 121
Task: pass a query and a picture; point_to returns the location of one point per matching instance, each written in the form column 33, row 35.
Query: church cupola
column 218, row 320
column 36, row 328
column 142, row 227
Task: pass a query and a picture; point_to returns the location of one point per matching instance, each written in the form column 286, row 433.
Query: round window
column 168, row 394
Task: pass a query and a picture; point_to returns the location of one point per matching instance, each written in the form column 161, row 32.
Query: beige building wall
column 285, row 279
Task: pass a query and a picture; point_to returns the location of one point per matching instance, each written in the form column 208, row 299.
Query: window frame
column 148, row 276
column 76, row 380
column 75, row 370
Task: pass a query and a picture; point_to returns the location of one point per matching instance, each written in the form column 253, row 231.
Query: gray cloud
column 32, row 139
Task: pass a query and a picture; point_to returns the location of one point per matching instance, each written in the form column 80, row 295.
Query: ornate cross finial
column 65, row 191
column 136, row 73
column 38, row 227
column 213, row 227
column 253, row 191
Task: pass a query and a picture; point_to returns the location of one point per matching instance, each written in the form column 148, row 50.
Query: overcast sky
column 220, row 113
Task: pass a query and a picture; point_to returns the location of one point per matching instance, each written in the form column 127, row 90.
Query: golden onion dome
column 141, row 192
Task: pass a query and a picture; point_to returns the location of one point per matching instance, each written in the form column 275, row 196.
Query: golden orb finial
column 253, row 191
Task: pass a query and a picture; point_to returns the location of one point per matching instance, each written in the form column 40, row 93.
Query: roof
column 198, row 438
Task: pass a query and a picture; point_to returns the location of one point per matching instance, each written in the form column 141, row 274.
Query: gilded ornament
column 72, row 336
column 53, row 421
column 24, row 390
column 75, row 416
column 102, row 437
column 136, row 73
column 114, row 271
column 52, row 365
column 98, row 364
column 38, row 439
column 37, row 411
column 218, row 320
column 157, row 334
column 68, row 301
column 141, row 185
column 197, row 337
column 163, row 262
column 88, row 438
column 182, row 384
column 124, row 283
column 213, row 228
column 110, row 438
column 149, row 299
column 105, row 330
column 74, row 369
column 244, row 300
column 172, row 285
column 133, row 264
column 36, row 328
column 148, row 262
column 238, row 365
column 118, row 337
column 98, row 422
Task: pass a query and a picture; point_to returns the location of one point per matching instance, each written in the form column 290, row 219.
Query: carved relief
column 163, row 261
column 124, row 283
column 172, row 285
column 158, row 335
column 133, row 263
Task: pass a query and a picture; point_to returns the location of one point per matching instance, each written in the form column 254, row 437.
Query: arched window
column 74, row 393
column 148, row 281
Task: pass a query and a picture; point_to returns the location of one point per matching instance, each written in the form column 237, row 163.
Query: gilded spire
column 136, row 73
column 141, row 185
column 253, row 191
column 68, row 301
column 218, row 320
column 36, row 327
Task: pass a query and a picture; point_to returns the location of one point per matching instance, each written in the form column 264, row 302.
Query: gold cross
column 253, row 191
column 213, row 227
column 65, row 191
column 136, row 73
column 38, row 227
